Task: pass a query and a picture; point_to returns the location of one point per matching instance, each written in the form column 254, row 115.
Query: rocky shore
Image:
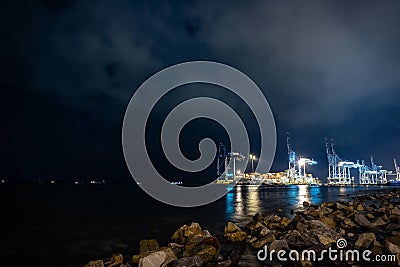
column 370, row 222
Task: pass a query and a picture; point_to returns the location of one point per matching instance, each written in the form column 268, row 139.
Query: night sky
column 69, row 68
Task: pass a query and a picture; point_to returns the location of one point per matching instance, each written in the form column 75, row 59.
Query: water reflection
column 253, row 201
column 302, row 194
column 242, row 202
column 239, row 202
column 245, row 201
column 230, row 205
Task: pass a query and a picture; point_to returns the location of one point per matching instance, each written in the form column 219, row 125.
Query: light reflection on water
column 245, row 201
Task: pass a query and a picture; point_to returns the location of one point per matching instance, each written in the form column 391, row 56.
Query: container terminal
column 340, row 171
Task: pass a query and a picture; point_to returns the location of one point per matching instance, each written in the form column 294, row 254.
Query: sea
column 69, row 225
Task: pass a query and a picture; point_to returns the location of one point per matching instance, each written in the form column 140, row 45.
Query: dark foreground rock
column 362, row 225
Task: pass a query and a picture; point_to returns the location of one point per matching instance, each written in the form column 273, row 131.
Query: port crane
column 297, row 164
column 372, row 175
column 397, row 169
column 224, row 158
column 339, row 169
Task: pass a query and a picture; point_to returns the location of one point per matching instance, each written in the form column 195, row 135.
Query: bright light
column 302, row 161
column 252, row 157
column 238, row 172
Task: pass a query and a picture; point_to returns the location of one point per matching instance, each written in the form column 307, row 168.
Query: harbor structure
column 296, row 171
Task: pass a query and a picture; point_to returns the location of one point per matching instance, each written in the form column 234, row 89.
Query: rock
column 295, row 239
column 188, row 262
column 285, row 222
column 271, row 217
column 264, row 231
column 362, row 220
column 350, row 235
column 319, row 228
column 258, row 217
column 263, row 241
column 301, row 227
column 339, row 206
column 181, row 235
column 378, row 222
column 394, row 240
column 315, row 214
column 392, row 248
column 170, row 256
column 328, row 221
column 370, row 216
column 196, row 241
column 176, row 248
column 365, row 240
column 278, row 245
column 231, row 228
column 252, row 240
column 237, row 236
column 148, row 245
column 114, row 260
column 249, row 260
column 325, row 240
column 360, row 207
column 348, row 224
column 377, row 248
column 305, row 262
column 206, row 233
column 154, row 259
column 392, row 227
column 341, row 232
column 349, row 209
column 306, row 204
column 395, row 211
column 326, row 211
column 225, row 263
column 253, row 226
column 204, row 251
column 193, row 229
column 96, row 263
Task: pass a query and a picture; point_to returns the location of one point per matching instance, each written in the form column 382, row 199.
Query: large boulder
column 378, row 222
column 263, row 241
column 362, row 220
column 329, row 222
column 154, row 259
column 114, row 260
column 170, row 256
column 298, row 240
column 237, row 236
column 326, row 241
column 395, row 211
column 278, row 245
column 316, row 229
column 231, row 228
column 365, row 240
column 204, row 251
column 181, row 235
column 348, row 224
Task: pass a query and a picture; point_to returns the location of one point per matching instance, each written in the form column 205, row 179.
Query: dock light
column 302, row 161
column 252, row 157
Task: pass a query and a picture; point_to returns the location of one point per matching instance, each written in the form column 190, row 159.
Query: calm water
column 68, row 225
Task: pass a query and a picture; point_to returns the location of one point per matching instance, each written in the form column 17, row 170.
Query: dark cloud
column 328, row 68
